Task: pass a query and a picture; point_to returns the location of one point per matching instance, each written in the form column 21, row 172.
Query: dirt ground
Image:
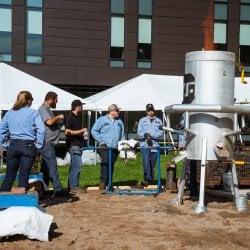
column 111, row 221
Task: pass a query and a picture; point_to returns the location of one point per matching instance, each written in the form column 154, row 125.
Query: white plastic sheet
column 29, row 221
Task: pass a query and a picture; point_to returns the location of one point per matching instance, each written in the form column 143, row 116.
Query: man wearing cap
column 108, row 130
column 149, row 131
column 75, row 140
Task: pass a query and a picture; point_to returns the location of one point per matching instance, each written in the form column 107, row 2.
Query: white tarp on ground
column 134, row 94
column 29, row 221
column 12, row 81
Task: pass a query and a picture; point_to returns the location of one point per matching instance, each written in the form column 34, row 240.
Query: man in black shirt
column 74, row 141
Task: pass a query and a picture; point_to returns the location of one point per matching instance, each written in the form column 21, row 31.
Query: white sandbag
column 127, row 148
column 67, row 158
column 61, row 162
column 90, row 157
column 130, row 154
column 133, row 143
column 29, row 221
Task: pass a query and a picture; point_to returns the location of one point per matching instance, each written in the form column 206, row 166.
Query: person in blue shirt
column 149, row 131
column 21, row 133
column 108, row 130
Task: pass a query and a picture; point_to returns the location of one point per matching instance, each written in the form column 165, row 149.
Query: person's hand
column 149, row 139
column 83, row 130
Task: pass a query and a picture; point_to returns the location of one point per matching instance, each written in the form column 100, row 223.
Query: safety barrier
column 134, row 191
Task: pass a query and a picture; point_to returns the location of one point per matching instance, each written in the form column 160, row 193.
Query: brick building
column 85, row 46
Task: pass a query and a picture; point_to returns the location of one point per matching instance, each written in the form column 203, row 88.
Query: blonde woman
column 21, row 133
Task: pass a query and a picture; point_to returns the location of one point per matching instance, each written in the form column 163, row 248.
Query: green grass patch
column 124, row 174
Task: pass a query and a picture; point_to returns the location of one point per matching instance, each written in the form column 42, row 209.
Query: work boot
column 102, row 186
column 78, row 191
column 61, row 193
column 145, row 183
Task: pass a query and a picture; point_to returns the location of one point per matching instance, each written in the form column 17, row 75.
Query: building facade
column 85, row 46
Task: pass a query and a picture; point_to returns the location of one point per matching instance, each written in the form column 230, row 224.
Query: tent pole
column 95, row 140
column 88, row 125
column 126, row 122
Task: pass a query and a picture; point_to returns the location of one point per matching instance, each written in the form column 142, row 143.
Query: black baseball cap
column 76, row 103
column 150, row 107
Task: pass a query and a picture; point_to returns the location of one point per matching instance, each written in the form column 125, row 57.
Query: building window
column 220, row 24
column 244, row 40
column 34, row 31
column 5, row 30
column 144, row 46
column 117, row 34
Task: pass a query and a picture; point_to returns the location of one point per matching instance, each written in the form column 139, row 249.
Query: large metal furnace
column 211, row 118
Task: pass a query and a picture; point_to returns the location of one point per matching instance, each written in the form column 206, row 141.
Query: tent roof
column 134, row 94
column 12, row 81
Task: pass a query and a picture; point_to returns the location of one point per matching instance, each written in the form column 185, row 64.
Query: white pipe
column 203, row 173
column 207, row 108
column 236, row 132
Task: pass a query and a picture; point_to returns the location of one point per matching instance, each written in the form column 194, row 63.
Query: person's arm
column 4, row 127
column 95, row 131
column 122, row 133
column 53, row 120
column 140, row 130
column 40, row 131
column 75, row 132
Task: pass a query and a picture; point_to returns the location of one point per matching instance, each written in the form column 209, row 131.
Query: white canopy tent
column 134, row 94
column 12, row 81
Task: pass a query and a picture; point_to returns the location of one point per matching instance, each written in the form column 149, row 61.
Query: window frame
column 27, row 56
column 221, row 46
column 9, row 6
column 144, row 63
column 246, row 64
column 118, row 62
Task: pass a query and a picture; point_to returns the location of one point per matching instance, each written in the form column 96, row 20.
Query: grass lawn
column 124, row 174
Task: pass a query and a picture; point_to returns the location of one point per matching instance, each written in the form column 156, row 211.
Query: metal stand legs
column 182, row 182
column 201, row 208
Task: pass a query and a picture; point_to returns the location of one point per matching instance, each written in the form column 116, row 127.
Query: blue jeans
column 20, row 155
column 149, row 159
column 75, row 167
column 103, row 152
column 49, row 166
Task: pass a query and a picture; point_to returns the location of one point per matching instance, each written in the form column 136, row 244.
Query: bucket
column 228, row 182
column 241, row 203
